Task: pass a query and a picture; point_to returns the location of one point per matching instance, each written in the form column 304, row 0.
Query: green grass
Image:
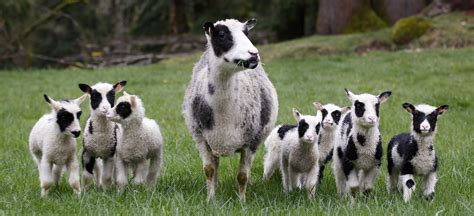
column 435, row 77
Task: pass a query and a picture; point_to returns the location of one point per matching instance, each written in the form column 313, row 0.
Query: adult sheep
column 230, row 104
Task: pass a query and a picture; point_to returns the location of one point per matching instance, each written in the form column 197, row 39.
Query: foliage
column 364, row 20
column 409, row 28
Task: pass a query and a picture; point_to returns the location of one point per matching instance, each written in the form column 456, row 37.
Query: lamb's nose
column 76, row 133
column 372, row 118
column 253, row 53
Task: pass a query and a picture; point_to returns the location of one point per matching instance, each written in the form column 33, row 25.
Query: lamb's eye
column 221, row 35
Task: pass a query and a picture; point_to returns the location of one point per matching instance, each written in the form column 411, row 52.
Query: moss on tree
column 409, row 28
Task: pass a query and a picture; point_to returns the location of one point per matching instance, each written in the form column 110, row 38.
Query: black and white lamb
column 52, row 143
column 358, row 146
column 140, row 144
column 331, row 116
column 100, row 134
column 230, row 104
column 413, row 153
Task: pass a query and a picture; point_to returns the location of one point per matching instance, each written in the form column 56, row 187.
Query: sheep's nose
column 253, row 53
column 76, row 133
column 372, row 118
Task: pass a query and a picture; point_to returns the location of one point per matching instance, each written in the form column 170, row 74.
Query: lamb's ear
column 54, row 104
column 208, row 28
column 349, row 94
column 80, row 99
column 318, row 106
column 345, row 109
column 125, row 94
column 442, row 109
column 119, row 86
column 296, row 114
column 250, row 23
column 133, row 101
column 384, row 96
column 85, row 88
column 409, row 107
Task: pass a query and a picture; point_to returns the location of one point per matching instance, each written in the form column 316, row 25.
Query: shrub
column 409, row 28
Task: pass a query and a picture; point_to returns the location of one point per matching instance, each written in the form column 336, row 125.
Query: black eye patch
column 78, row 114
column 359, row 108
column 336, row 116
column 111, row 97
column 318, row 126
column 302, row 127
column 221, row 40
column 418, row 118
column 377, row 108
column 124, row 109
column 64, row 119
column 325, row 113
column 432, row 118
column 96, row 98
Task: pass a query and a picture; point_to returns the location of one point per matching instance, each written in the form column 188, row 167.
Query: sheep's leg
column 210, row 167
column 122, row 172
column 429, row 185
column 57, row 171
column 302, row 178
column 107, row 172
column 312, row 181
column 88, row 164
column 294, row 178
column 271, row 163
column 246, row 160
column 408, row 182
column 98, row 171
column 368, row 180
column 154, row 170
column 285, row 175
column 73, row 171
column 46, row 177
column 140, row 172
column 353, row 181
column 392, row 180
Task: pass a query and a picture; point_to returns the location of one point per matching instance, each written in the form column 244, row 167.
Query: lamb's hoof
column 354, row 190
column 367, row 192
column 430, row 196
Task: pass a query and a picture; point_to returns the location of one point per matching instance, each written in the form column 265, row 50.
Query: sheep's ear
column 384, row 96
column 54, row 104
column 85, row 88
column 133, row 101
column 349, row 94
column 345, row 109
column 119, row 86
column 296, row 114
column 409, row 107
column 442, row 109
column 250, row 23
column 208, row 28
column 125, row 94
column 80, row 99
column 318, row 106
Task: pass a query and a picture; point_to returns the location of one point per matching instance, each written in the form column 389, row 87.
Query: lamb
column 140, row 142
column 299, row 163
column 413, row 153
column 331, row 115
column 100, row 136
column 52, row 143
column 230, row 104
column 358, row 146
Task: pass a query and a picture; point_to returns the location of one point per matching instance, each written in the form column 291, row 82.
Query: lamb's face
column 424, row 117
column 331, row 115
column 128, row 107
column 68, row 114
column 308, row 127
column 230, row 44
column 102, row 96
column 365, row 107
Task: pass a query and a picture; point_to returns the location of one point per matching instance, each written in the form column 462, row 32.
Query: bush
column 409, row 28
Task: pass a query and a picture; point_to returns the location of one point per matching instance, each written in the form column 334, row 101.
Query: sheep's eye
column 221, row 35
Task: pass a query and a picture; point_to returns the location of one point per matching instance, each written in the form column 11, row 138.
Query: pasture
column 434, row 77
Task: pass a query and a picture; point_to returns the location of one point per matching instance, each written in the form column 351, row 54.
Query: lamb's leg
column 98, row 171
column 73, row 171
column 154, row 170
column 107, row 172
column 429, row 185
column 246, row 160
column 210, row 167
column 353, row 181
column 140, row 172
column 46, row 177
column 122, row 172
column 293, row 178
column 368, row 180
column 57, row 171
column 312, row 180
column 321, row 173
column 285, row 175
column 272, row 160
column 392, row 180
column 408, row 182
column 88, row 164
column 340, row 177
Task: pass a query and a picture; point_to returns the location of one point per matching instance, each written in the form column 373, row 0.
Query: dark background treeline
column 93, row 33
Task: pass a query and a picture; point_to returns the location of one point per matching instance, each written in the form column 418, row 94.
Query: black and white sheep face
column 331, row 114
column 67, row 114
column 102, row 96
column 230, row 44
column 365, row 107
column 127, row 107
column 424, row 117
column 308, row 126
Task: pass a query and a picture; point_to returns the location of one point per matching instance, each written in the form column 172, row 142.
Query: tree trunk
column 334, row 15
column 178, row 19
column 393, row 10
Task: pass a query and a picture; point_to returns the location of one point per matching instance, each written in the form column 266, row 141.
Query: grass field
column 435, row 77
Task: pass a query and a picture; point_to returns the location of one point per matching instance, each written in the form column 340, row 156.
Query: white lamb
column 53, row 145
column 141, row 141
